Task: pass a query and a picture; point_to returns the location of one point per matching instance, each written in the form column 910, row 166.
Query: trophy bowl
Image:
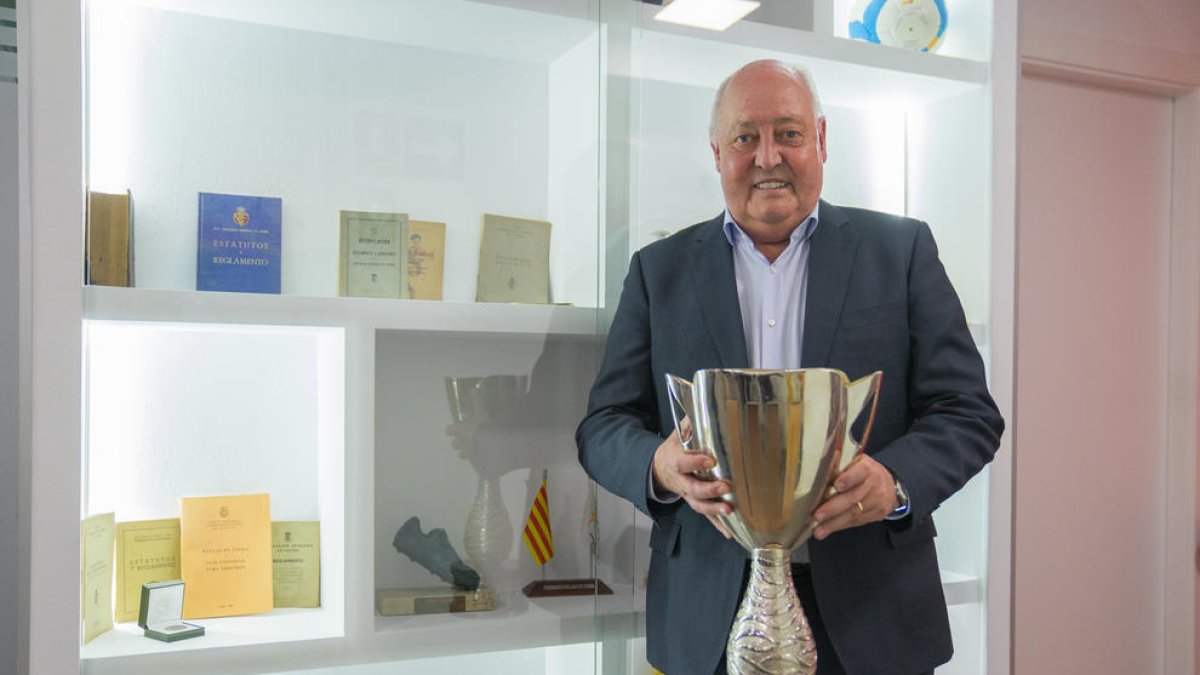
column 779, row 437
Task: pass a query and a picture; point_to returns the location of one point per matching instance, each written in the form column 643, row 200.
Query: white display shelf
column 960, row 589
column 244, row 644
column 535, row 623
column 524, row 622
column 540, row 31
column 280, row 625
column 850, row 74
column 537, row 31
column 137, row 304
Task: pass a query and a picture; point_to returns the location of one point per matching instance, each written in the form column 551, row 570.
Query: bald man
column 783, row 279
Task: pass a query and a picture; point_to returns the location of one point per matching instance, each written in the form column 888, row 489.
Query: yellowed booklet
column 514, row 260
column 109, row 239
column 147, row 551
column 225, row 555
column 372, row 258
column 96, row 574
column 426, row 257
column 296, row 558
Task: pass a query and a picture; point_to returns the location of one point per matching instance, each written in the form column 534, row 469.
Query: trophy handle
column 679, row 394
column 861, row 395
column 462, row 394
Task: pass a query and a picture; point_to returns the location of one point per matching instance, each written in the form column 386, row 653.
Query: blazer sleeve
column 956, row 425
column 620, row 432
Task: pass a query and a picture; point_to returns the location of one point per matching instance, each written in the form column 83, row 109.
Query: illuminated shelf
column 542, row 30
column 137, row 304
column 534, row 623
column 850, row 73
column 281, row 625
column 530, row 622
column 292, row 638
column 534, row 30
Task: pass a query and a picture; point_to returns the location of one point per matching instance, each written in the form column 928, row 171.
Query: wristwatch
column 901, row 501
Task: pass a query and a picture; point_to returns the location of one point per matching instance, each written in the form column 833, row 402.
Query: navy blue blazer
column 878, row 298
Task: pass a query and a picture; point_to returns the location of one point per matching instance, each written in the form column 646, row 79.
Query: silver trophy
column 488, row 535
column 779, row 437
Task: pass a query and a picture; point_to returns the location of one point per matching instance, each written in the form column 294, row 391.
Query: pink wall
column 1158, row 24
column 1093, row 492
column 1090, row 433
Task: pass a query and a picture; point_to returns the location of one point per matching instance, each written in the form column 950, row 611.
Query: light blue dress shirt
column 771, row 295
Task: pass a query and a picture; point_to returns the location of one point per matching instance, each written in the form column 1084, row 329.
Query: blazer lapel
column 830, row 259
column 716, row 293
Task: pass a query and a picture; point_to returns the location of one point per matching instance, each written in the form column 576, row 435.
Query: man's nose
column 767, row 155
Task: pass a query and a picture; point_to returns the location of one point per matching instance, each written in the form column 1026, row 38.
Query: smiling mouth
column 771, row 185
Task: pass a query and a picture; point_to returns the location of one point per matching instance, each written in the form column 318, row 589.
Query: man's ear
column 717, row 155
column 821, row 147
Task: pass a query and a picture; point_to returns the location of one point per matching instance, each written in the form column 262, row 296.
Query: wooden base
column 400, row 601
column 557, row 587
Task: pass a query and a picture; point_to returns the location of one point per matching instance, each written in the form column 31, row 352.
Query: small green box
column 161, row 612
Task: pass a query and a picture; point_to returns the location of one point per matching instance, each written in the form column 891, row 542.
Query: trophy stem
column 488, row 537
column 770, row 634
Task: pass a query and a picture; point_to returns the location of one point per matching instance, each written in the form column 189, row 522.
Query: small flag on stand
column 537, row 527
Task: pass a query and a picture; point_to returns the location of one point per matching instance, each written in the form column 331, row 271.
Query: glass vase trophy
column 488, row 535
column 779, row 437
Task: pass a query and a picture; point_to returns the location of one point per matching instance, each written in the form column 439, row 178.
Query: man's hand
column 864, row 493
column 463, row 435
column 674, row 470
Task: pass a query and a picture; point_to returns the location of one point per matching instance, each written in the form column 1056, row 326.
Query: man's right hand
column 674, row 471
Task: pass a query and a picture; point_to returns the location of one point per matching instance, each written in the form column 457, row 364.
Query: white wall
column 9, row 377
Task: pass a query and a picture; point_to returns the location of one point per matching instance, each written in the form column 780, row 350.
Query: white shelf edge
column 540, row 622
column 546, row 28
column 281, row 625
column 554, row 16
column 572, row 21
column 526, row 610
column 279, row 640
column 138, row 304
column 960, row 589
column 537, row 623
column 816, row 45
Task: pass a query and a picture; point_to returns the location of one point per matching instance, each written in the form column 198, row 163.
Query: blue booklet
column 238, row 248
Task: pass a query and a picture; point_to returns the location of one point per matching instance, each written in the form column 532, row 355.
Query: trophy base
column 560, row 587
column 401, row 601
column 770, row 633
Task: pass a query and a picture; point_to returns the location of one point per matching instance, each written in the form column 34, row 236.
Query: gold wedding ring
column 859, row 505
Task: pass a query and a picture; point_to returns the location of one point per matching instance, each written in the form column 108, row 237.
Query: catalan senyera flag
column 537, row 528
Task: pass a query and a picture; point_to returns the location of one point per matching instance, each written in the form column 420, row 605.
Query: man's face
column 770, row 152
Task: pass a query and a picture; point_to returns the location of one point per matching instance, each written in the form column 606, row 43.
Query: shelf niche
column 181, row 410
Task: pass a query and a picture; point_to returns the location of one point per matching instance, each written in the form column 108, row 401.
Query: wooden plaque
column 401, row 601
column 560, row 587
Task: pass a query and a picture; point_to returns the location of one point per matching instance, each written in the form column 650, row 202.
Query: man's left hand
column 864, row 493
